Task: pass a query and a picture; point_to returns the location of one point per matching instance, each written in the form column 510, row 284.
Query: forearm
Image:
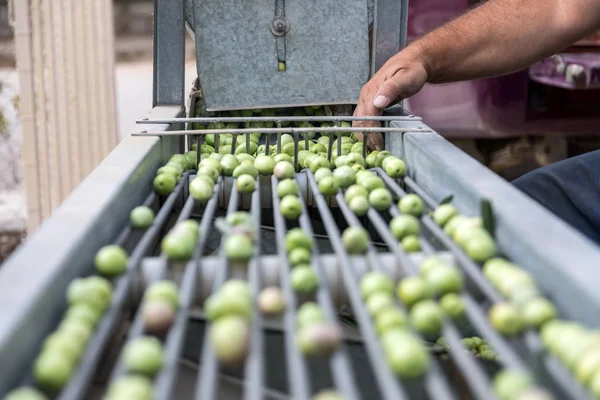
column 503, row 36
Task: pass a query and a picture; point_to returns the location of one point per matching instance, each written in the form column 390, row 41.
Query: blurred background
column 74, row 77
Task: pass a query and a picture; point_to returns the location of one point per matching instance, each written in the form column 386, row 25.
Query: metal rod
column 340, row 363
column 207, row 382
column 338, row 118
column 389, row 386
column 297, row 373
column 254, row 369
column 165, row 381
column 290, row 130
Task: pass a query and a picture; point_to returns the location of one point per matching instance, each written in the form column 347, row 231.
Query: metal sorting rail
column 524, row 353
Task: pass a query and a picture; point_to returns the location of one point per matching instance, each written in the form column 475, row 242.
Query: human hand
column 400, row 77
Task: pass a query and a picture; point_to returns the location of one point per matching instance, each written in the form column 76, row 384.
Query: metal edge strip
column 563, row 262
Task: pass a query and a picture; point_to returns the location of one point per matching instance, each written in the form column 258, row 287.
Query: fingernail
column 381, row 101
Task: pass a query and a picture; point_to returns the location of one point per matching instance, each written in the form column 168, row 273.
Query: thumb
column 387, row 93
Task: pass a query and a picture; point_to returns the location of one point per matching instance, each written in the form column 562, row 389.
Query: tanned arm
column 497, row 37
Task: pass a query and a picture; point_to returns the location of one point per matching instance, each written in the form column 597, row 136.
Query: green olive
column 62, row 343
column 209, row 171
column 271, row 301
column 84, row 313
column 290, row 207
column 163, row 290
column 304, row 280
column 395, row 168
column 239, row 247
column 537, row 312
column 344, row 176
column 390, row 318
column 52, row 369
column 355, row 191
column 355, row 158
column 443, row 213
column 505, row 319
column 245, row 169
column 283, row 170
column 406, row 355
column 245, row 183
column 426, row 317
column 443, row 280
column 158, row 316
column 264, row 164
column 380, row 199
column 509, row 383
column 178, row 246
column 229, row 337
column 200, row 190
column 143, row 355
column 588, row 366
column 223, row 304
column 322, row 173
column 308, row 314
column 111, row 260
column 481, row 247
column 375, row 282
column 328, row 186
column 228, row 164
column 453, row 306
column 356, row 240
column 287, row 187
column 378, row 302
column 430, row 263
column 130, row 387
column 25, row 393
column 296, row 237
column 412, row 289
column 299, row 255
column 328, row 395
column 404, row 225
column 319, row 339
column 141, row 217
column 411, row 243
column 371, row 183
column 359, row 205
column 411, row 204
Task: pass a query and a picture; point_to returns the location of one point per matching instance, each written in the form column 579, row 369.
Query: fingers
column 375, row 141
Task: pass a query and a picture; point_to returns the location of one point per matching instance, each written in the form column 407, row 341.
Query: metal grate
column 321, row 215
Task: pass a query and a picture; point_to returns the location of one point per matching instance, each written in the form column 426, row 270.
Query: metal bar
column 137, row 327
column 169, row 53
column 164, row 382
column 389, row 385
column 276, row 130
column 207, row 382
column 436, row 386
column 340, row 363
column 297, row 373
column 254, row 368
column 336, row 118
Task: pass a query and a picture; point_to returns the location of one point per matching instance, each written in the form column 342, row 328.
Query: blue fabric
column 570, row 189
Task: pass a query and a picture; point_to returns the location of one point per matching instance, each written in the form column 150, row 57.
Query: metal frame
column 68, row 240
column 387, row 18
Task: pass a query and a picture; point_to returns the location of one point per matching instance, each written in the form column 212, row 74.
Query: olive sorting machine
column 265, row 54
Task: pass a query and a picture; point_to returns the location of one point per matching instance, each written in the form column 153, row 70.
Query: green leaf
column 447, row 199
column 487, row 217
